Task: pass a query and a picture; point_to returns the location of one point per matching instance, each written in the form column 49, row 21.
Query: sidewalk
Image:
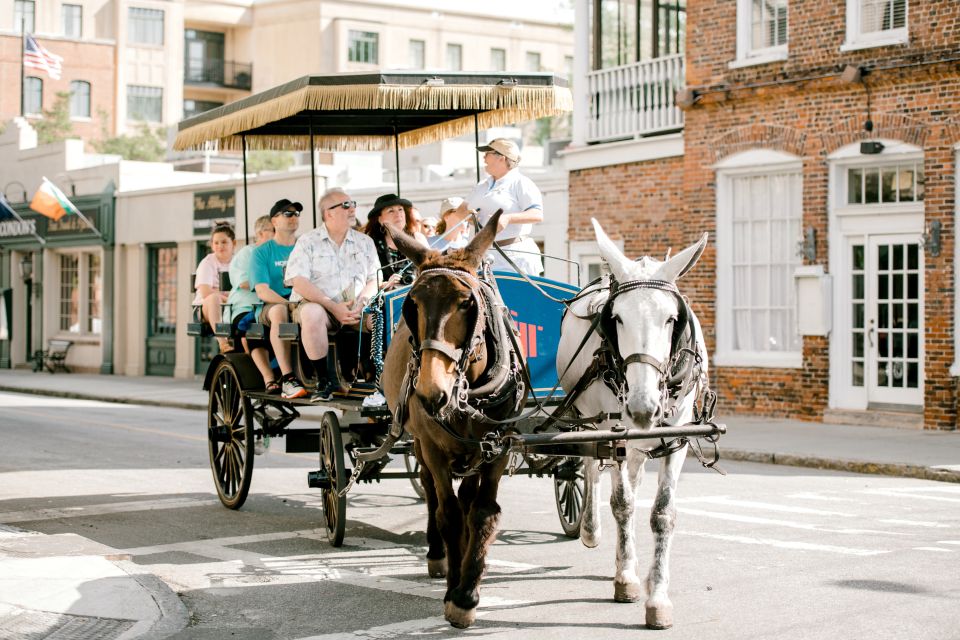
column 79, row 589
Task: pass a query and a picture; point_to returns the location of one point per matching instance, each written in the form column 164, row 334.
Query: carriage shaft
column 590, row 436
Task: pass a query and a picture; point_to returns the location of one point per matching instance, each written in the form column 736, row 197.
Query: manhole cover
column 43, row 625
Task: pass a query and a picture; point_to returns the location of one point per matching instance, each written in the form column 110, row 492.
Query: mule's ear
column 481, row 243
column 408, row 245
column 611, row 253
column 675, row 267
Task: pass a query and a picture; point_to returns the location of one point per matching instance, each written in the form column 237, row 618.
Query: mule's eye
column 618, row 319
column 670, row 320
column 465, row 304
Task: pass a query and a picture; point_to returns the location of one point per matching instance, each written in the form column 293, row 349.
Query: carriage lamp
column 930, row 240
column 26, row 268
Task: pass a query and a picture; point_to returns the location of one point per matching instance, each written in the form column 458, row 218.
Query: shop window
column 362, row 46
column 759, row 213
column 145, row 26
column 79, row 295
column 79, row 99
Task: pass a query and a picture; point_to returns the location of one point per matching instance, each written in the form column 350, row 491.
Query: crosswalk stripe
column 785, row 544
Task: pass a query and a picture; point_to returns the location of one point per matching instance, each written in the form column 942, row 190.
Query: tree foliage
column 258, row 161
column 55, row 124
column 147, row 143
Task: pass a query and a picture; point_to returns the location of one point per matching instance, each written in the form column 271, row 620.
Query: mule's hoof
column 589, row 540
column 627, row 592
column 660, row 617
column 437, row 568
column 457, row 617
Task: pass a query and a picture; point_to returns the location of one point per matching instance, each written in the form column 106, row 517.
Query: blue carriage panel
column 537, row 319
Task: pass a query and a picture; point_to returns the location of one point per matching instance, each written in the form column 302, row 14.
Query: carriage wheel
column 413, row 466
column 568, row 487
column 331, row 460
column 230, row 437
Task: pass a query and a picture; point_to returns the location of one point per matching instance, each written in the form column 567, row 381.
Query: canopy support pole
column 396, row 155
column 246, row 214
column 476, row 141
column 313, row 176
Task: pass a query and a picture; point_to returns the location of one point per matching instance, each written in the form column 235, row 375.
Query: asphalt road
column 765, row 552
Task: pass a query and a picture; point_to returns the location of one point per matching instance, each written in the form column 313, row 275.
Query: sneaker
column 375, row 399
column 261, row 445
column 292, row 388
column 324, row 391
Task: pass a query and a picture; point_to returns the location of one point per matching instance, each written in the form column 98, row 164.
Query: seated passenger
column 243, row 301
column 333, row 272
column 398, row 212
column 267, row 277
column 453, row 230
column 430, row 226
column 207, row 284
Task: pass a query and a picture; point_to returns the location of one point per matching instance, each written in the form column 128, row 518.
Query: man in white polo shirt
column 522, row 203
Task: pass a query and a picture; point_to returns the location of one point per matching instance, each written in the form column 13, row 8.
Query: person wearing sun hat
column 522, row 203
column 397, row 211
column 453, row 230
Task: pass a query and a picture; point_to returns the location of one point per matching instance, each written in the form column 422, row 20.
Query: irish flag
column 51, row 202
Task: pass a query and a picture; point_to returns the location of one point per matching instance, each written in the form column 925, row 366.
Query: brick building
column 818, row 144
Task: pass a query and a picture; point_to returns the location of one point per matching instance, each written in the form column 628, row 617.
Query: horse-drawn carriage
column 503, row 399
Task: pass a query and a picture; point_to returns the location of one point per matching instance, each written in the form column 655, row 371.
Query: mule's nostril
column 441, row 401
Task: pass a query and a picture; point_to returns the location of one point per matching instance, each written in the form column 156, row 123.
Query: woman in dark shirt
column 398, row 212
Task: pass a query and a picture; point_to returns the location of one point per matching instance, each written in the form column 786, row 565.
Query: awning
column 364, row 111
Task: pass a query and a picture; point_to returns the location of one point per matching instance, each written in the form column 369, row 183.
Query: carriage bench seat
column 54, row 358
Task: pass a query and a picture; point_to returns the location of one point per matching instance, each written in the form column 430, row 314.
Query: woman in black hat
column 394, row 210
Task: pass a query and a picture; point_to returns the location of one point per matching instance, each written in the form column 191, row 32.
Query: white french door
column 886, row 312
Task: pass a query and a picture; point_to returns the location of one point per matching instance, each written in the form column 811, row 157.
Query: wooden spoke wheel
column 568, row 488
column 230, row 437
column 331, row 461
column 413, row 466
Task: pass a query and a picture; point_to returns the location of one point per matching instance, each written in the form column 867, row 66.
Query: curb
column 901, row 470
column 75, row 395
column 174, row 616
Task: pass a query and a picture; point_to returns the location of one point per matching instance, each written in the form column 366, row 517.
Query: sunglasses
column 348, row 204
column 289, row 214
column 493, row 153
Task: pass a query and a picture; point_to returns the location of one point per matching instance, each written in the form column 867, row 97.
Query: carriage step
column 256, row 331
column 224, row 330
column 321, row 479
column 198, row 329
column 289, row 331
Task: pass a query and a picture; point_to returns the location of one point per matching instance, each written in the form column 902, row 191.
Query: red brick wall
column 670, row 202
column 93, row 63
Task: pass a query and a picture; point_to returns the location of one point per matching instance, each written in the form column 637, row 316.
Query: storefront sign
column 13, row 228
column 213, row 206
column 72, row 224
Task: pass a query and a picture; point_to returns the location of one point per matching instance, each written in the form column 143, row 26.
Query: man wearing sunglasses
column 266, row 276
column 333, row 272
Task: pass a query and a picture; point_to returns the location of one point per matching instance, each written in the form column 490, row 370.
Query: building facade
column 819, row 147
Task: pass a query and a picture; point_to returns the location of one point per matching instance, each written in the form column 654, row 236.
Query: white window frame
column 955, row 367
column 756, row 162
column 417, row 48
column 143, row 92
column 856, row 40
column 28, row 108
column 449, row 50
column 83, row 257
column 494, row 65
column 857, row 221
column 747, row 55
column 142, row 23
column 371, row 42
column 75, row 99
column 66, row 9
column 585, row 254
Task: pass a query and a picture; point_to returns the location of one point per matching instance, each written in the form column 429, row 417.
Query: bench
column 54, row 358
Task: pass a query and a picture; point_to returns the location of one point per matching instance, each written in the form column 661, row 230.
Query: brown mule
column 445, row 311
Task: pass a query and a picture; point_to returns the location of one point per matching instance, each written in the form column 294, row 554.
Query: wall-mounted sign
column 210, row 207
column 13, row 228
column 72, row 224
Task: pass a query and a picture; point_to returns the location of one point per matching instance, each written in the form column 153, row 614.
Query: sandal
column 273, row 387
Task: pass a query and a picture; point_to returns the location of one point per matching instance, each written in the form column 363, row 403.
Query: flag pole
column 76, row 209
column 23, row 46
column 9, row 208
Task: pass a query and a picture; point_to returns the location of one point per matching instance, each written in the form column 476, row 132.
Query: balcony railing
column 634, row 100
column 223, row 73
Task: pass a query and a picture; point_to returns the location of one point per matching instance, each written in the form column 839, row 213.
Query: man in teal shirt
column 266, row 278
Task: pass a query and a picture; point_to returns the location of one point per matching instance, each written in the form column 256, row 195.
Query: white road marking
column 892, row 493
column 786, row 544
column 806, row 495
column 948, row 541
column 765, row 506
column 933, row 549
column 916, row 523
column 102, row 509
column 434, row 626
column 782, row 523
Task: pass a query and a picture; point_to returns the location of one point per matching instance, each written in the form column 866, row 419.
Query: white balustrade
column 635, row 99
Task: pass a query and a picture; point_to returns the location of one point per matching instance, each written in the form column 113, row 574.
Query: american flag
column 39, row 58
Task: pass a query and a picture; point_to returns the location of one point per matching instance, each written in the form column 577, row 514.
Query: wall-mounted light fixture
column 685, row 98
column 931, row 238
column 807, row 247
column 26, row 267
column 23, row 190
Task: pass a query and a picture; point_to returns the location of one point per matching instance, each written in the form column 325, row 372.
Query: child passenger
column 209, row 297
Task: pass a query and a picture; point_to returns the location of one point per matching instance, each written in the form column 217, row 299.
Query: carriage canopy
column 370, row 111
